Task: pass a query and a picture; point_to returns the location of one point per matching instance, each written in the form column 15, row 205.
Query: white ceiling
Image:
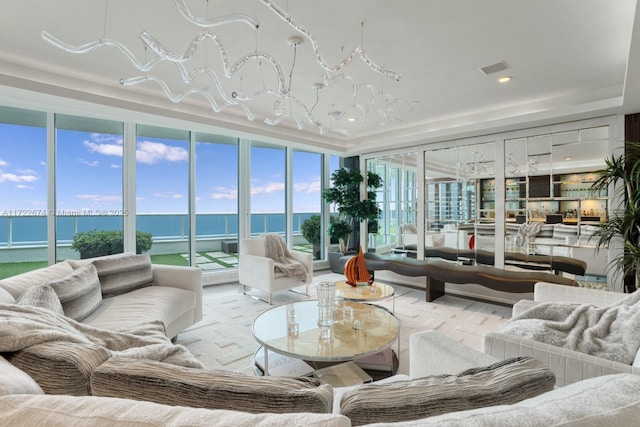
column 568, row 59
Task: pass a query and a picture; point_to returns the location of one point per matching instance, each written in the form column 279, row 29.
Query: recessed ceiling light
column 351, row 119
column 504, row 79
column 567, row 158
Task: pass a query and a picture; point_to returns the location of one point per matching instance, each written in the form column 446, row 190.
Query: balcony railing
column 31, row 230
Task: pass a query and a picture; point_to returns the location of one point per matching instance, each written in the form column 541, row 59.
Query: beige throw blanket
column 277, row 250
column 22, row 326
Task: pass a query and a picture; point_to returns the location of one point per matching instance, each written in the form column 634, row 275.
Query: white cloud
column 114, row 166
column 152, row 152
column 168, row 195
column 308, row 187
column 24, row 187
column 11, row 177
column 88, row 163
column 99, row 197
column 27, row 172
column 224, row 193
column 107, row 148
column 267, row 188
column 3, row 163
column 103, row 137
column 147, row 152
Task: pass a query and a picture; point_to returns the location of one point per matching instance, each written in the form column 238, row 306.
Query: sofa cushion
column 79, row 292
column 6, row 297
column 142, row 305
column 109, row 412
column 61, row 367
column 17, row 284
column 610, row 400
column 123, row 273
column 214, row 389
column 16, row 381
column 42, row 296
column 565, row 233
column 504, row 382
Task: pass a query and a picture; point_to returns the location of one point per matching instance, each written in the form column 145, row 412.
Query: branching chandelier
column 287, row 106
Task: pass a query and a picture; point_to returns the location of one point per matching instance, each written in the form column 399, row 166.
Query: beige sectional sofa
column 506, row 393
column 137, row 391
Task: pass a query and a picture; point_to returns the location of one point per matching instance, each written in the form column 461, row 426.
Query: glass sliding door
column 88, row 190
column 396, row 202
column 162, row 190
column 23, row 185
column 216, row 202
column 307, row 200
column 267, row 189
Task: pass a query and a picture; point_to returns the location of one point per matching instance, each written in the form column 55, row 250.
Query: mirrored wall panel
column 550, row 209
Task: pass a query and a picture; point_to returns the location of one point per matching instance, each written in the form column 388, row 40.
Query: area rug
column 223, row 339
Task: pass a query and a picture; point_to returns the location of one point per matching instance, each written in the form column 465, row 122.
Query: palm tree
column 623, row 172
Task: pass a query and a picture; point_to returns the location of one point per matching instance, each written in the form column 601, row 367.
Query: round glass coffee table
column 375, row 292
column 292, row 330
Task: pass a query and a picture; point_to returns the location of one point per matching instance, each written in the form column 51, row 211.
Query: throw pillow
column 6, row 297
column 212, row 389
column 79, row 292
column 17, row 284
column 42, row 296
column 15, row 381
column 502, row 383
column 123, row 273
column 61, row 367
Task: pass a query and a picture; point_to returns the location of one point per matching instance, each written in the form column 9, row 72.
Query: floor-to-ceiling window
column 23, row 185
column 307, row 202
column 216, row 200
column 267, row 189
column 88, row 187
column 162, row 191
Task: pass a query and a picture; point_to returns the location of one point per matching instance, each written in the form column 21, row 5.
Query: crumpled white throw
column 22, row 326
column 608, row 332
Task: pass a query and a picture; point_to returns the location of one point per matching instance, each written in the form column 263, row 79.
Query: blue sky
column 90, row 174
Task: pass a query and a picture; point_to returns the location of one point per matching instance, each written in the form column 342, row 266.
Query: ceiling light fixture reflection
column 220, row 96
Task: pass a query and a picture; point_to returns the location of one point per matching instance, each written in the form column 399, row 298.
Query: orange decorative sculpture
column 355, row 270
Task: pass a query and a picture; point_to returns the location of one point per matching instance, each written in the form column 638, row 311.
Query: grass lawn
column 12, row 268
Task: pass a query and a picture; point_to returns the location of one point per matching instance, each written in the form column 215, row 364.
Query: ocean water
column 32, row 230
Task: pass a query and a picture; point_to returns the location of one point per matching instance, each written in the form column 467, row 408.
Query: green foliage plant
column 95, row 243
column 311, row 229
column 344, row 195
column 623, row 173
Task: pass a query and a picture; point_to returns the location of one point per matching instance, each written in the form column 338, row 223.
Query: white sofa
column 256, row 270
column 148, row 292
column 569, row 366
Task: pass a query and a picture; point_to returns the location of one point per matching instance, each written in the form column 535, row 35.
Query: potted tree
column 311, row 232
column 350, row 211
column 623, row 172
column 95, row 243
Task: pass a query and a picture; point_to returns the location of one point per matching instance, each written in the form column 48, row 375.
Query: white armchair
column 257, row 271
column 569, row 366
